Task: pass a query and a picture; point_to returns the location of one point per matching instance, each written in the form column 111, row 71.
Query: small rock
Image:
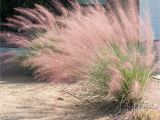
column 60, row 98
column 76, row 105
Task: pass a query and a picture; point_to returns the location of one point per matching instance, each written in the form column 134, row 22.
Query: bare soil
column 22, row 98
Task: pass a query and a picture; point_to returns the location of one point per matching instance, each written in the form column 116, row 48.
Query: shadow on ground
column 9, row 79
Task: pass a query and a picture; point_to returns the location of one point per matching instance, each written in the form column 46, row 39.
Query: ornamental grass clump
column 111, row 48
column 123, row 74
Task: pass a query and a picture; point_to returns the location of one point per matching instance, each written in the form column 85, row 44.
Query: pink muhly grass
column 16, row 22
column 135, row 91
column 59, row 71
column 27, row 12
column 127, row 65
column 10, row 25
column 115, row 85
column 112, row 71
column 13, row 40
column 86, row 33
column 27, row 23
column 21, row 18
column 149, row 59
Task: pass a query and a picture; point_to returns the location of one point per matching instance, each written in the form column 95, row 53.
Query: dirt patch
column 23, row 99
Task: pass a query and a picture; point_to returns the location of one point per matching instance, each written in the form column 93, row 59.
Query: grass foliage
column 93, row 43
column 122, row 74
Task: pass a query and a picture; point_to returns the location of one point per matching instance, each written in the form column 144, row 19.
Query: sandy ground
column 23, row 99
